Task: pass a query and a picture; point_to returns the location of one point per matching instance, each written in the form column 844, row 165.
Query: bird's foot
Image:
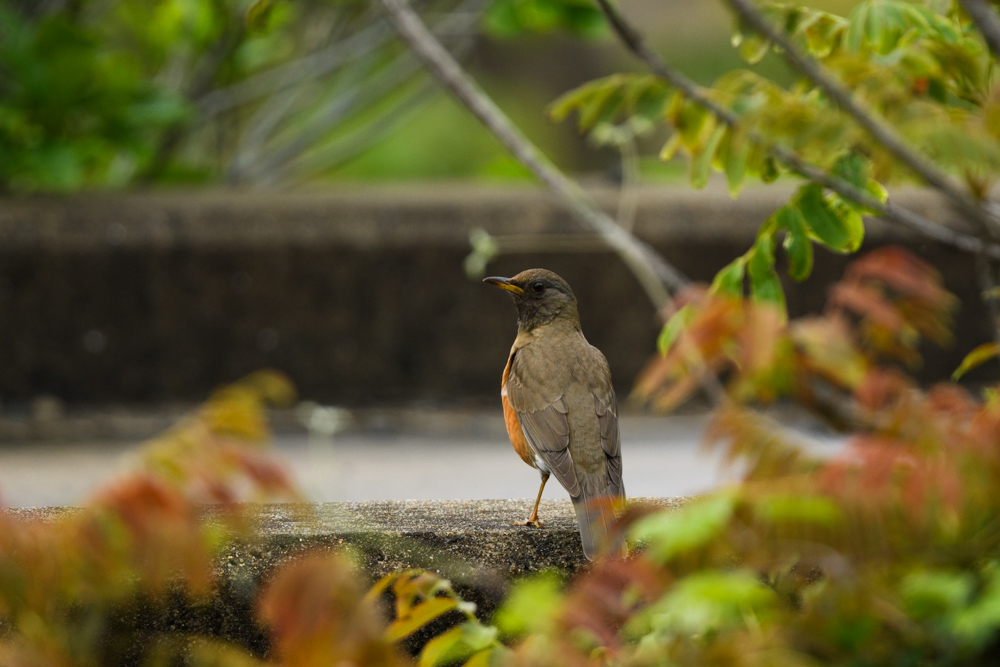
column 534, row 522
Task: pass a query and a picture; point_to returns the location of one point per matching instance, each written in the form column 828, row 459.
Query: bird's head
column 541, row 297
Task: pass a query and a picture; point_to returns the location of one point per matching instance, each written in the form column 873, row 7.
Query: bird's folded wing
column 607, row 419
column 545, row 424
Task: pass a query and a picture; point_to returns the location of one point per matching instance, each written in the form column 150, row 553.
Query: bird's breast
column 513, row 424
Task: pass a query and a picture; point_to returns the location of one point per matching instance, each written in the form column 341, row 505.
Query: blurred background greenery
column 103, row 94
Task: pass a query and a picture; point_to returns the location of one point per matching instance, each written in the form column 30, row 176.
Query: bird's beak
column 504, row 283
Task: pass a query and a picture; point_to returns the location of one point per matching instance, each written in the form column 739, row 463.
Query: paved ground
column 437, row 459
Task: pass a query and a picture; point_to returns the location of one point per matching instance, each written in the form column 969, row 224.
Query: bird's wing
column 606, row 406
column 595, row 513
column 544, row 421
column 607, row 418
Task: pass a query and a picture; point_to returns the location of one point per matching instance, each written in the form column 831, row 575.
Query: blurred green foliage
column 74, row 108
column 90, row 91
column 508, row 18
column 103, row 94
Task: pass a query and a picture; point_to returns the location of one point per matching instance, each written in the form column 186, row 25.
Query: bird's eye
column 538, row 288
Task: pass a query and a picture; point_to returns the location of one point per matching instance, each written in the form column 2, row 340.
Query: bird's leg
column 533, row 520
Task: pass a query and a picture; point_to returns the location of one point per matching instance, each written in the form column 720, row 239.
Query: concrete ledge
column 478, row 536
column 472, row 543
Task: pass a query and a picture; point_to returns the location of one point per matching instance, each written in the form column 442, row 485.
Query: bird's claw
column 534, row 523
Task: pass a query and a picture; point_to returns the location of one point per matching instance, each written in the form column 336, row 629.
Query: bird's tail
column 596, row 517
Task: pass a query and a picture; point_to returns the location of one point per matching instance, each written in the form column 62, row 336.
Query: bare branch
column 986, row 20
column 880, row 131
column 651, row 270
column 925, row 227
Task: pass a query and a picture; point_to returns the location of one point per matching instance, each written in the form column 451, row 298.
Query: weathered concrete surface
column 473, row 543
column 462, row 539
column 357, row 293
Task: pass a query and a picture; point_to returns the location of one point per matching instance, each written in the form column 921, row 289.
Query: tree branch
column 634, row 41
column 366, row 85
column 986, row 20
column 880, row 131
column 651, row 270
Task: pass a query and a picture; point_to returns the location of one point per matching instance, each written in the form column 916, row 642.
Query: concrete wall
column 358, row 294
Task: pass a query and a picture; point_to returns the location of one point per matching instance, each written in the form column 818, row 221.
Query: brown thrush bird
column 559, row 405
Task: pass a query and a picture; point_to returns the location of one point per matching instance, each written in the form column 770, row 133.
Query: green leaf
column 481, row 659
column 824, row 223
column 735, row 150
column 729, row 280
column 762, row 254
column 822, row 32
column 852, row 168
column 577, row 98
column 672, row 329
column 419, row 616
column 852, row 221
column 600, row 105
column 874, row 23
column 769, row 171
column 458, row 644
column 935, row 594
column 256, row 16
column 440, row 647
column 812, row 509
column 752, row 47
column 765, row 286
column 701, row 163
column 709, row 600
column 877, row 190
column 689, row 121
column 532, row 605
column 797, row 243
column 647, row 97
column 670, row 148
column 977, row 357
column 670, row 533
column 856, row 22
column 501, row 20
column 978, row 623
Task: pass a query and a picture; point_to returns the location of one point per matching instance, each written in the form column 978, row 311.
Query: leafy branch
column 866, row 118
column 634, row 41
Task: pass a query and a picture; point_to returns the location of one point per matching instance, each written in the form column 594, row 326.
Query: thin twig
column 282, row 77
column 363, row 87
column 986, row 20
column 343, row 150
column 866, row 118
column 200, row 83
column 361, row 84
column 651, row 270
column 631, row 38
